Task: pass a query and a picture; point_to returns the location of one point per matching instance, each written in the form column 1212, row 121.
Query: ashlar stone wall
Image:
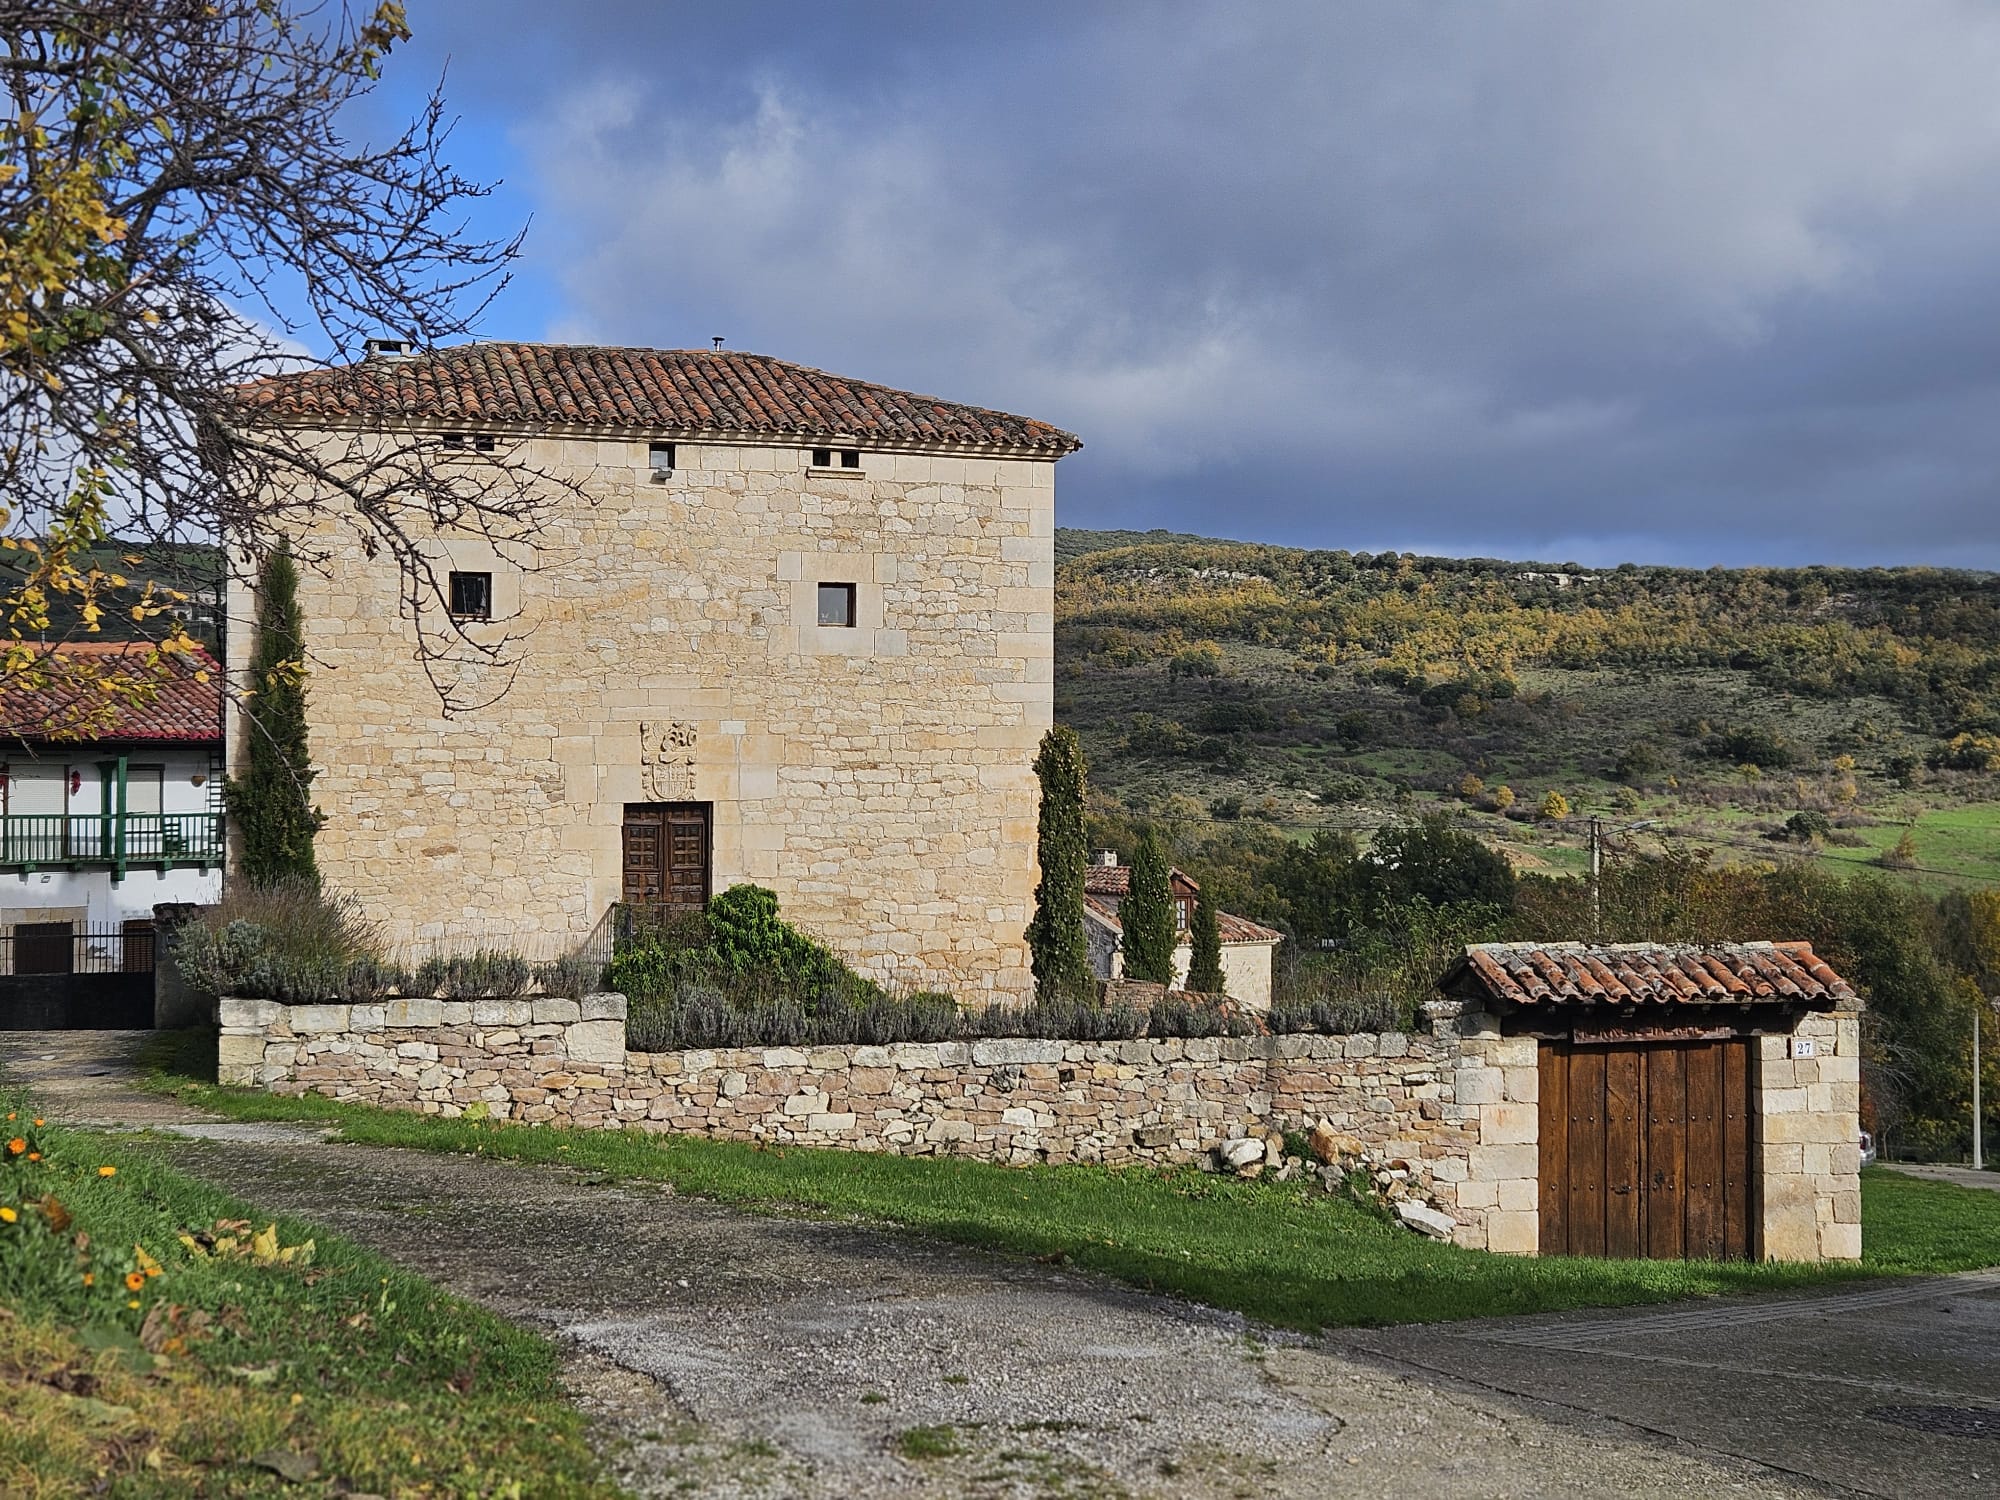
column 1809, row 1139
column 659, row 642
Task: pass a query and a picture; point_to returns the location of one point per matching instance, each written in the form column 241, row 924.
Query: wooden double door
column 668, row 853
column 1646, row 1149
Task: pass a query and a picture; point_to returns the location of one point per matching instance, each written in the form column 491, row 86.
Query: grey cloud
column 1691, row 282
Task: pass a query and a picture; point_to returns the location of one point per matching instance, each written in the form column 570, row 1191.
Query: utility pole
column 1596, row 869
column 1979, row 1149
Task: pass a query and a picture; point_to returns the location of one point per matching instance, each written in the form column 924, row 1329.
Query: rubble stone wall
column 1441, row 1101
column 1452, row 1105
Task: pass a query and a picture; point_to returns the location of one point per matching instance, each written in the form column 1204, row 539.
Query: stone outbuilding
column 1691, row 1101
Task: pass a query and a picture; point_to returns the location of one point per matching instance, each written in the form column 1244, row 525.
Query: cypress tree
column 270, row 801
column 1057, row 947
column 1205, row 968
column 1147, row 915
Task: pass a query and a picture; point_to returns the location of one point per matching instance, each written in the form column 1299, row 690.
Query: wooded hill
column 1823, row 712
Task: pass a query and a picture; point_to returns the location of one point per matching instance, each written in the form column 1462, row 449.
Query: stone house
column 781, row 626
column 1247, row 947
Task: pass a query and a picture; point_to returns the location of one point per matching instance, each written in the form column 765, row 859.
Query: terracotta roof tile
column 1232, row 929
column 1565, row 974
column 670, row 391
column 1243, row 930
column 179, row 711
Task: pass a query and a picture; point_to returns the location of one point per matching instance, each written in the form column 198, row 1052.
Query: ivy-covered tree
column 270, row 802
column 1057, row 947
column 1147, row 915
column 1205, row 965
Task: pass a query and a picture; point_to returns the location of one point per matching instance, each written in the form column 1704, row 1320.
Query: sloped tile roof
column 1645, row 974
column 1243, row 930
column 665, row 390
column 1232, row 929
column 1116, row 880
column 181, row 710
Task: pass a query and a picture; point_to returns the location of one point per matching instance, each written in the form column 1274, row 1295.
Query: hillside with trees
column 1389, row 756
column 1849, row 714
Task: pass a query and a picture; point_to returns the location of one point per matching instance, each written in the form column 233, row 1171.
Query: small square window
column 471, row 596
column 836, row 604
column 822, row 458
column 660, row 457
column 850, row 458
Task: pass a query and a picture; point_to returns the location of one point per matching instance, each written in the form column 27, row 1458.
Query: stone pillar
column 1496, row 1089
column 1809, row 1140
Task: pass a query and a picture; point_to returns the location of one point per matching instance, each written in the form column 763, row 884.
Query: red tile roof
column 172, row 709
column 1564, row 974
column 1116, row 880
column 1233, row 929
column 1243, row 930
column 670, row 391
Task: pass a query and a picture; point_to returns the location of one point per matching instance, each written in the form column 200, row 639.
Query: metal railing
column 77, row 948
column 35, row 839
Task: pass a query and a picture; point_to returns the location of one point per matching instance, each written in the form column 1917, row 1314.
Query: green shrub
column 746, row 935
column 287, row 941
column 571, row 977
column 1177, row 1013
column 1336, row 1015
column 485, row 973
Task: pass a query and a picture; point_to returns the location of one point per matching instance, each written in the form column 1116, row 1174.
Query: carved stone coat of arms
column 667, row 752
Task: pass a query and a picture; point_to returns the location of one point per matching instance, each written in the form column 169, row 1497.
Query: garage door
column 1645, row 1149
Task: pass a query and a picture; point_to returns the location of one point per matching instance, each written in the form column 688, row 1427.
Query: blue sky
column 1689, row 282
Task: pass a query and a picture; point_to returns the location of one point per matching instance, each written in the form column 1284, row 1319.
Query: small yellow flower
column 7, row 1215
column 133, row 1303
column 107, row 1171
column 89, row 1279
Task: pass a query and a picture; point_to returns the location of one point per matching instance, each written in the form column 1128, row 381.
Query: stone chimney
column 1105, row 858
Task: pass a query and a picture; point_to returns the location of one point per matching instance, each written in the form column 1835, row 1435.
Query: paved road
column 726, row 1353
column 1962, row 1176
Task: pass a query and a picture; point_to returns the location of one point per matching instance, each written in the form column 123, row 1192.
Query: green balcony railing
column 31, row 840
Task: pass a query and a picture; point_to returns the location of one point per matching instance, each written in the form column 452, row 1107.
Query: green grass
column 372, row 1378
column 1277, row 1252
column 1962, row 841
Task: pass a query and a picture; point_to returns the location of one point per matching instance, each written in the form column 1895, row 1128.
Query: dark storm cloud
column 1690, row 282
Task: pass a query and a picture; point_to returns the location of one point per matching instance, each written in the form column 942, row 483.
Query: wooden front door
column 667, row 853
column 1646, row 1149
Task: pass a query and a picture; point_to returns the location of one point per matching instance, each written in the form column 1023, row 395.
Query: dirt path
column 733, row 1354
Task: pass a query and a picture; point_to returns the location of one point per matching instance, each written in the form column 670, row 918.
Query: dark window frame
column 845, row 594
column 467, row 600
